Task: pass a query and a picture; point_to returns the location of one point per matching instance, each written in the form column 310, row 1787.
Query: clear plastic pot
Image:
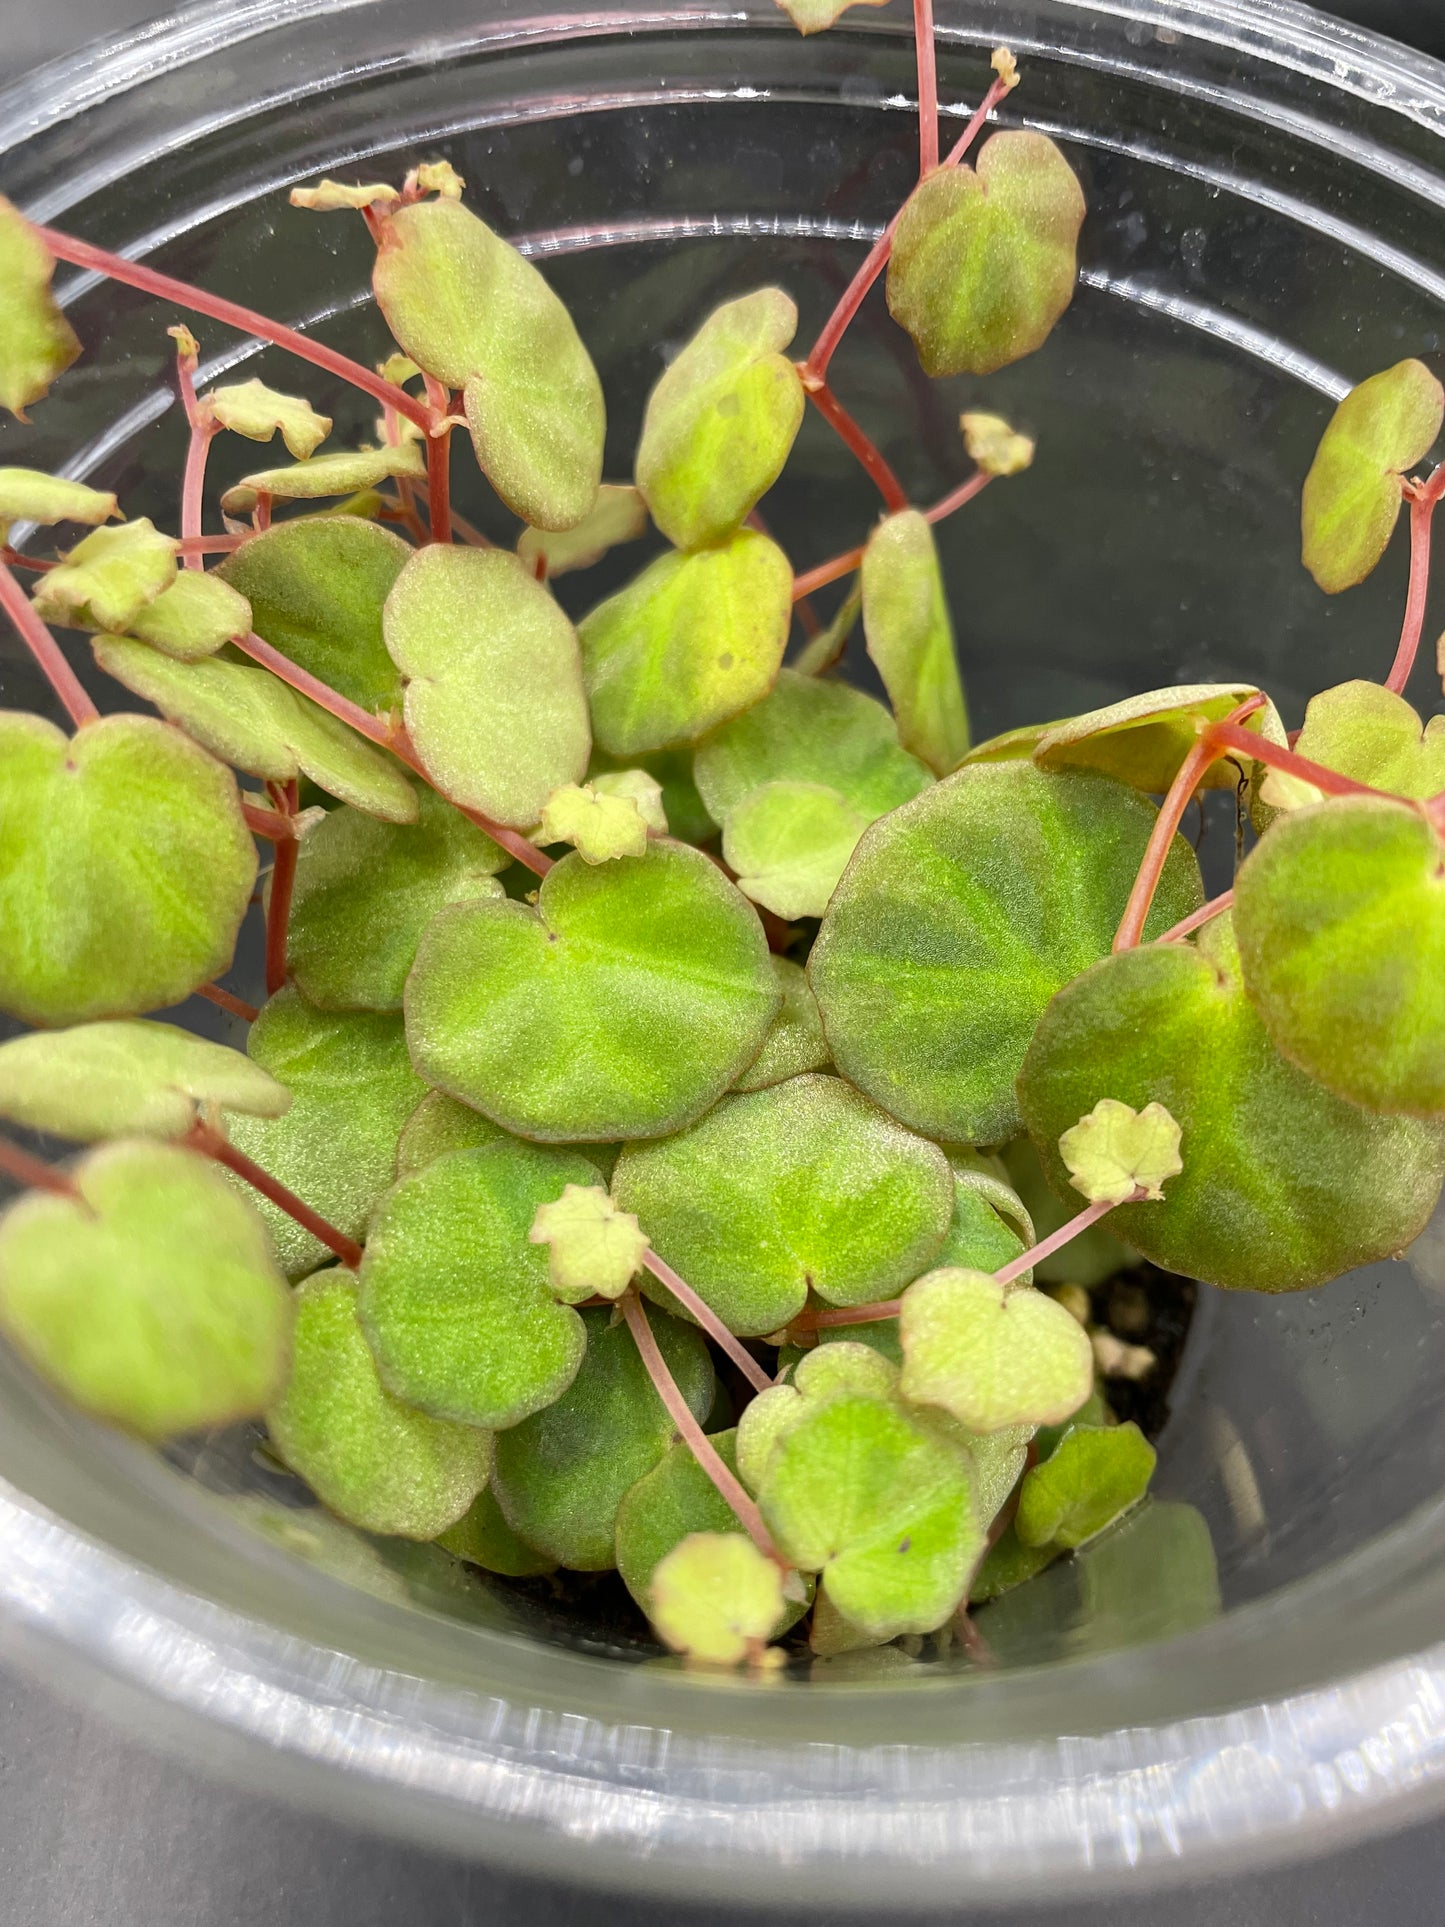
column 1265, row 192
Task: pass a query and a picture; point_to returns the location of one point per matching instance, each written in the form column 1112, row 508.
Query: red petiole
column 703, row 1312
column 46, row 651
column 206, row 1139
column 851, row 559
column 32, row 1171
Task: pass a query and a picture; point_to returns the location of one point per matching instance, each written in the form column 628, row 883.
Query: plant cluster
column 610, row 1177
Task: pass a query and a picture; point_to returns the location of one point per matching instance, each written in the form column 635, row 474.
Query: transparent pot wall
column 1264, row 227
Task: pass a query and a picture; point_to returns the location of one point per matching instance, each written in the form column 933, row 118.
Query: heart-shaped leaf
column 805, row 1184
column 107, row 579
column 795, row 1042
column 1366, row 731
column 125, row 868
column 252, row 409
column 494, row 700
column 788, row 844
column 721, row 420
column 858, row 1492
column 373, row 1460
column 342, row 473
column 1352, row 493
column 1096, row 1472
column 471, row 311
column 455, row 1299
column 366, row 890
column 438, row 1125
column 992, row 1355
column 37, row 343
column 28, row 495
column 593, row 1248
column 1342, row 938
column 352, row 1089
column 959, row 917
column 195, row 617
column 716, row 1598
column 622, row 1006
column 1115, row 1150
column 148, row 1298
column 1284, row 1185
column 910, row 638
column 846, row 1368
column 484, row 1539
column 619, row 514
column 984, row 262
column 562, row 1474
column 1144, row 739
column 316, row 590
column 127, row 1078
column 249, row 718
column 691, row 641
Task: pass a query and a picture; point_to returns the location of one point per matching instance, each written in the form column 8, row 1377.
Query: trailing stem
column 278, row 907
column 32, row 1171
column 1186, row 926
column 703, row 1312
column 1423, row 503
column 227, row 1000
column 46, row 651
column 857, row 441
column 851, row 559
column 729, row 1487
column 927, row 57
column 206, row 1139
column 439, row 463
column 203, row 427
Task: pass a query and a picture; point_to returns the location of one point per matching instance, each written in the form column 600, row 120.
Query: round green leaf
column 352, row 1089
column 456, row 1302
column 342, row 473
column 109, row 578
column 959, row 917
column 37, row 343
column 1342, row 937
column 484, row 1539
column 858, row 1492
column 721, row 420
column 716, row 1598
column 1352, row 493
column 372, row 1459
column 150, row 1297
column 619, row 514
column 248, row 717
column 910, row 638
column 125, row 868
column 494, row 700
column 195, row 617
column 992, row 1355
column 1145, row 739
column 438, row 1125
column 1284, row 1185
column 691, row 641
column 984, row 262
column 29, row 495
column 621, row 1006
column 1366, row 731
column 795, row 1040
column 561, row 1475
column 316, row 590
column 475, row 314
column 1095, row 1473
column 365, row 891
column 803, row 1184
column 788, row 844
column 111, row 1079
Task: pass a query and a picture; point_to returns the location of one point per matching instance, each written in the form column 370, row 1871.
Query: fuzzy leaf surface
column 108, row 577
column 193, row 618
column 618, row 515
column 1096, row 1472
column 592, row 1246
column 795, row 1042
column 37, row 343
column 1366, row 731
column 910, row 638
column 1352, row 496
column 789, row 843
column 1116, row 1149
column 29, row 495
column 992, row 1355
column 438, row 1125
column 716, row 1597
column 252, row 409
column 483, row 1538
column 1144, row 739
column 343, row 472
column 600, row 825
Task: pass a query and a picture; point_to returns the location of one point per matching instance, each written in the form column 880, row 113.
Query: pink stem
column 35, row 1172
column 1215, row 907
column 247, row 321
column 209, row 1141
column 703, row 1312
column 267, row 823
column 854, row 438
column 193, row 486
column 927, row 59
column 826, row 572
column 957, row 498
column 212, row 544
column 278, row 909
column 214, row 994
column 692, row 1434
column 1422, row 514
column 46, row 651
column 439, row 465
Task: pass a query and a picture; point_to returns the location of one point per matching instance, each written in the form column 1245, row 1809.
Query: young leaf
column 1352, row 493
column 341, row 473
column 992, row 1355
column 995, row 446
column 438, row 1125
column 601, row 827
column 959, row 917
column 125, row 868
column 455, row 1299
column 127, row 1079
column 1284, row 1185
column 618, row 515
column 1144, row 739
column 691, row 641
column 1342, row 939
column 352, row 1089
column 195, row 617
column 149, row 1298
column 592, row 1246
column 37, row 343
column 640, row 789
column 252, row 409
column 562, row 1474
column 472, row 312
column 494, row 700
column 1116, row 1149
column 682, row 808
column 984, row 262
column 803, row 1184
column 316, row 590
column 910, row 638
column 858, row 1492
column 622, row 1006
column 788, row 844
column 721, row 421
column 716, row 1598
column 108, row 578
column 372, row 1459
column 812, row 16
column 844, row 1369
column 328, row 196
column 247, row 717
column 795, row 1042
column 27, row 495
column 1370, row 733
column 366, row 890
column 1096, row 1472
